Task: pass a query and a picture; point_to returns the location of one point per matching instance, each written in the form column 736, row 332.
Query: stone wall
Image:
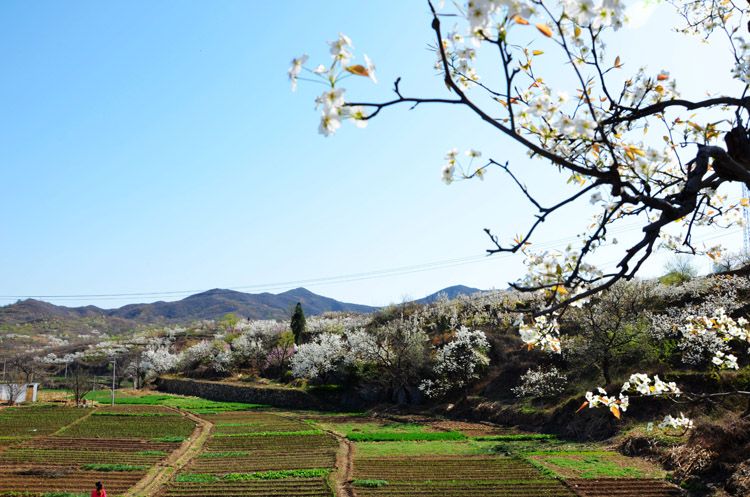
column 234, row 392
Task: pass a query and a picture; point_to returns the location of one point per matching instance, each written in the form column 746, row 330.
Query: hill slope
column 213, row 304
column 452, row 292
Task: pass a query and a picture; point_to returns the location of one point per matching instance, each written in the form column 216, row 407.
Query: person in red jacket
column 99, row 492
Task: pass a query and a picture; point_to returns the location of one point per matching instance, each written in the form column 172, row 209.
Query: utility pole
column 114, row 366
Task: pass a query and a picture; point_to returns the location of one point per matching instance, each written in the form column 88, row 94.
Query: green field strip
column 270, row 433
column 288, row 487
column 32, row 421
column 190, row 403
column 266, row 475
column 408, row 436
column 129, row 427
column 515, row 438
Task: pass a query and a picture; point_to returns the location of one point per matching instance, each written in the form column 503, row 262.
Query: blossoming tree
column 634, row 147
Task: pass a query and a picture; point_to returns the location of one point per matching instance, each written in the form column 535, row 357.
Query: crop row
column 248, row 422
column 134, row 409
column 444, row 469
column 526, row 488
column 98, row 444
column 279, row 444
column 298, row 487
column 264, row 461
column 606, row 487
column 130, row 427
column 181, row 402
column 53, row 457
column 36, row 420
column 46, row 480
column 404, row 437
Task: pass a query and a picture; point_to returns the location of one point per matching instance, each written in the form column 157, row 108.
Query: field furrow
column 444, row 469
column 529, row 488
column 287, row 487
column 622, row 487
column 263, row 461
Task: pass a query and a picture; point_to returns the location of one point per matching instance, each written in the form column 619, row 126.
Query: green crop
column 399, row 437
column 267, row 475
column 370, row 483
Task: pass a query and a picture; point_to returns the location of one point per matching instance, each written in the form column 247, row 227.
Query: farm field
column 254, row 450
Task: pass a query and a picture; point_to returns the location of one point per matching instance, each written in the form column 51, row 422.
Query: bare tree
column 24, row 366
column 13, row 391
column 611, row 327
column 80, row 382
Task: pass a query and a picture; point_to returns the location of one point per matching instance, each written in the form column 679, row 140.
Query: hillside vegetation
column 464, row 358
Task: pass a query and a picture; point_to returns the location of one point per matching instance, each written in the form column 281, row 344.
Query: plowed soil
column 99, row 444
column 618, row 487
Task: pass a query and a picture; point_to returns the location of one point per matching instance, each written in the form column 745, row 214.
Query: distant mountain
column 452, row 292
column 213, row 304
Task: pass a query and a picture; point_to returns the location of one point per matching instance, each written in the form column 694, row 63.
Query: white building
column 21, row 392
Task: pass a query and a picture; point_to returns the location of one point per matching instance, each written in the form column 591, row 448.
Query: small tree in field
column 79, row 383
column 298, row 323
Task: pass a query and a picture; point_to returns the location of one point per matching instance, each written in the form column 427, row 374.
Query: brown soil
column 344, row 466
column 122, row 444
column 610, row 487
column 160, row 475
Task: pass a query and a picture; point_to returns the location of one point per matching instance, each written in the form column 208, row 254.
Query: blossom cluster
column 541, row 382
column 458, row 362
column 459, row 58
column 550, row 269
column 616, row 404
column 449, row 169
column 671, row 422
column 543, row 334
column 334, row 107
column 644, row 385
column 741, row 69
column 725, row 328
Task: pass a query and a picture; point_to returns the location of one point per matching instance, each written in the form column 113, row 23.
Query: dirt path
column 344, row 466
column 160, row 474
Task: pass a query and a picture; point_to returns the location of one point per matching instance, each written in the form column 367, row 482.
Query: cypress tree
column 298, row 323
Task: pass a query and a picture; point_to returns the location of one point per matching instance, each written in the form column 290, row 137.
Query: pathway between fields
column 160, row 474
column 344, row 465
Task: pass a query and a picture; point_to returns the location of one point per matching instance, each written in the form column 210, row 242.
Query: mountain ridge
column 210, row 304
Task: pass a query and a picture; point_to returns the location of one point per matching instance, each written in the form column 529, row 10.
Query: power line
column 346, row 278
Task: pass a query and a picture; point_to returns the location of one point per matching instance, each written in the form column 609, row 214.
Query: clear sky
column 155, row 149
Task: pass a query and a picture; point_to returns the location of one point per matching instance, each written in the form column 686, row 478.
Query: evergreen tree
column 298, row 323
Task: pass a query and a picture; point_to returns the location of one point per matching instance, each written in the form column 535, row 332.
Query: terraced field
column 257, row 451
column 66, row 449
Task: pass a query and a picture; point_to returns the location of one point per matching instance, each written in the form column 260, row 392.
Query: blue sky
column 151, row 147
